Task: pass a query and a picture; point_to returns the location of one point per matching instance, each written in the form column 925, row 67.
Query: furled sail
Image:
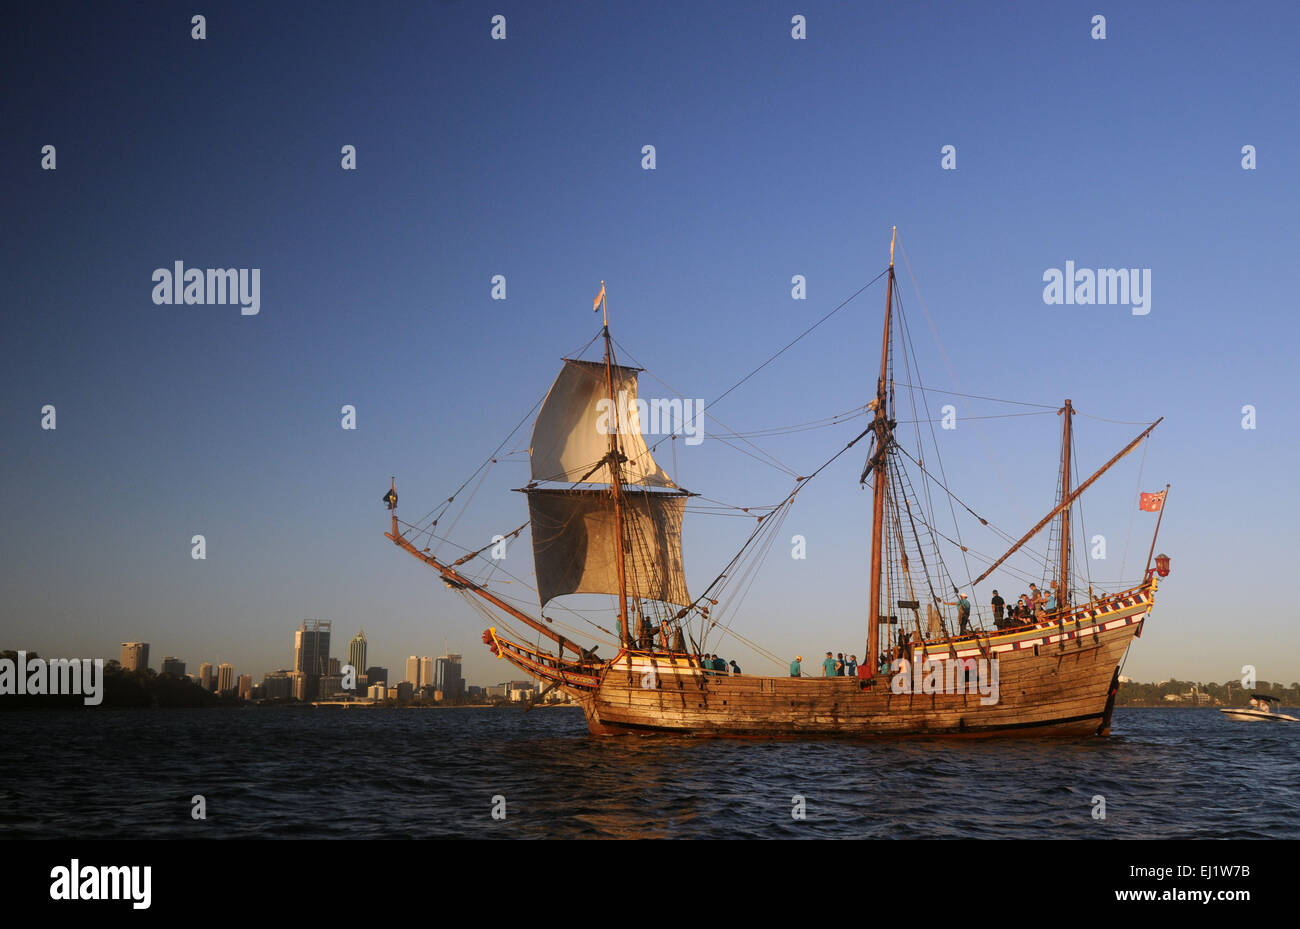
column 573, row 544
column 571, row 435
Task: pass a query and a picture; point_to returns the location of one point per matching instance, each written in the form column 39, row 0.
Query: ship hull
column 1053, row 680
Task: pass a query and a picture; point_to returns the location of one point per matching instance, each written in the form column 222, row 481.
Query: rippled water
column 1164, row 773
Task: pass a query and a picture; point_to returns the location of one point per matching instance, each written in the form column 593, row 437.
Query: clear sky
column 523, row 158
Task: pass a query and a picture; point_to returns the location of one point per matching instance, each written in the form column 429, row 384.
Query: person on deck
column 839, row 664
column 735, row 668
column 828, row 665
column 851, row 666
column 998, row 605
column 963, row 611
column 796, row 666
column 1049, row 599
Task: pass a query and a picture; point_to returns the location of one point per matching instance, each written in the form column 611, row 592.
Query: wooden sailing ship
column 605, row 518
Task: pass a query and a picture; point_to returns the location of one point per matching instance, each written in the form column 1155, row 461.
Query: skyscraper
column 413, row 670
column 225, row 677
column 245, row 686
column 357, row 652
column 426, row 672
column 311, row 652
column 135, row 656
column 377, row 675
column 206, row 680
column 172, row 665
column 449, row 680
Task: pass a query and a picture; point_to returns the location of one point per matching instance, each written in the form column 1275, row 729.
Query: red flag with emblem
column 1152, row 502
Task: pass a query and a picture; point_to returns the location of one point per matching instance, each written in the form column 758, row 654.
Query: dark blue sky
column 522, row 158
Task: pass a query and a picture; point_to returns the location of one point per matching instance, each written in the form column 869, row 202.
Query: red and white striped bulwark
column 1039, row 635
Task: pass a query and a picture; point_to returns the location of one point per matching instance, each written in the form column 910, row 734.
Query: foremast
column 615, row 478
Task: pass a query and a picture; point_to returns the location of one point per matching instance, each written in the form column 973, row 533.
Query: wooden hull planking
column 1054, row 679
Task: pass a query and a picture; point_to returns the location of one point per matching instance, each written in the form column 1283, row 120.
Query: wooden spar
column 455, row 577
column 879, row 487
column 1068, row 500
column 1063, row 578
column 1156, row 534
column 615, row 480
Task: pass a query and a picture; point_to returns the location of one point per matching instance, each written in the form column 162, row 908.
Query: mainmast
column 1063, row 577
column 881, row 427
column 615, row 475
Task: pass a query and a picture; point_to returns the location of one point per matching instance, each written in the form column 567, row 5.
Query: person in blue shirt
column 851, row 667
column 796, row 666
column 735, row 668
column 828, row 666
column 963, row 611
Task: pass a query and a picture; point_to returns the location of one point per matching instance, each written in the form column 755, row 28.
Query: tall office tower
column 449, row 680
column 225, row 677
column 172, row 665
column 206, row 680
column 377, row 675
column 245, row 686
column 135, row 656
column 311, row 653
column 357, row 652
column 426, row 672
column 413, row 671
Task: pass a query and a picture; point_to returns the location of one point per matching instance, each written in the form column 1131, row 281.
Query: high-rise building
column 171, row 665
column 225, row 677
column 449, row 680
column 135, row 656
column 299, row 680
column 245, row 686
column 311, row 653
column 206, row 680
column 377, row 675
column 426, row 672
column 357, row 652
column 413, row 670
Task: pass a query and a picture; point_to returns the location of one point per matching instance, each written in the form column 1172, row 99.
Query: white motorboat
column 1260, row 708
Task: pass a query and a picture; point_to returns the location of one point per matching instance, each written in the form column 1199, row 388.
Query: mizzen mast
column 1063, row 577
column 1069, row 499
column 881, row 426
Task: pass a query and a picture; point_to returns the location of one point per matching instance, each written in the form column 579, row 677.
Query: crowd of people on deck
column 716, row 664
column 1030, row 607
column 834, row 665
column 1033, row 606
